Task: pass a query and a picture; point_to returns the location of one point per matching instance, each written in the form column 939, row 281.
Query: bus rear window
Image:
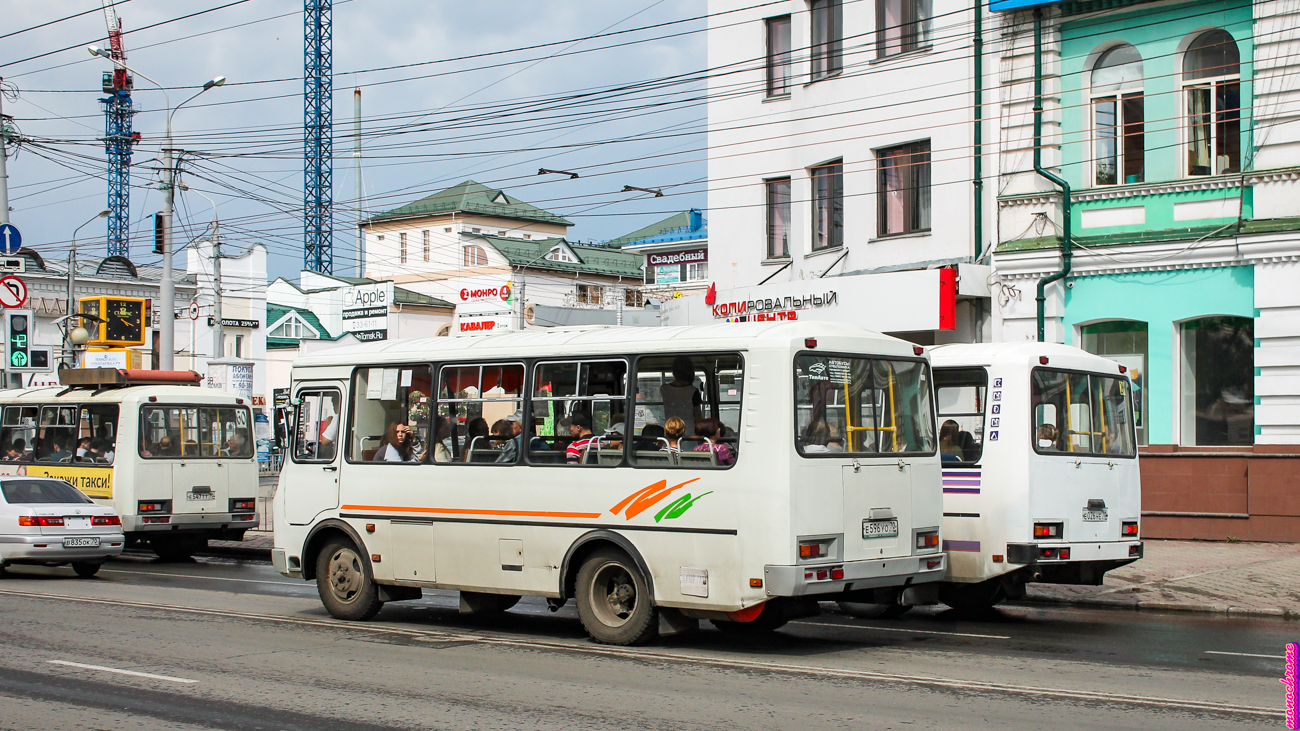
column 960, row 394
column 862, row 406
column 195, row 431
column 1081, row 413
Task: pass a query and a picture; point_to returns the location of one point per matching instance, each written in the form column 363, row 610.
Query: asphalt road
column 222, row 643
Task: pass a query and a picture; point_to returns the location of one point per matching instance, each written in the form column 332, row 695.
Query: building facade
column 1172, row 123
column 676, row 252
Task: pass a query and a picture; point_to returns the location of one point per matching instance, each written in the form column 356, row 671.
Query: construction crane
column 318, row 137
column 118, row 137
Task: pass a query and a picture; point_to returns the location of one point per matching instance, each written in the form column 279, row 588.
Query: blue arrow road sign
column 10, row 239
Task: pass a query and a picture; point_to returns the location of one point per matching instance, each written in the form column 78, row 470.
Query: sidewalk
column 1243, row 579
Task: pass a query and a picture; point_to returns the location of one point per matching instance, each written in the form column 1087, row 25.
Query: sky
column 438, row 121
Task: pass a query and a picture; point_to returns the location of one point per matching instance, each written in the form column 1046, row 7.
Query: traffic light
column 17, row 339
column 159, row 232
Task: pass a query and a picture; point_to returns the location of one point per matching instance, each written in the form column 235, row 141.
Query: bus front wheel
column 614, row 601
column 344, row 583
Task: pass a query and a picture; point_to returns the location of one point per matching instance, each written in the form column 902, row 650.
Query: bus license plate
column 880, row 528
column 1094, row 516
column 82, row 542
column 200, row 496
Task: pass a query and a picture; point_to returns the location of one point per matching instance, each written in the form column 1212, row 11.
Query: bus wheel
column 972, row 598
column 614, row 601
column 85, row 570
column 772, row 618
column 863, row 610
column 344, row 583
column 177, row 547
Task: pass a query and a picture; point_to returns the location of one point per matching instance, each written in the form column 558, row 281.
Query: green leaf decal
column 679, row 506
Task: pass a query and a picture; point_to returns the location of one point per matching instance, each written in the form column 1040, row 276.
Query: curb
column 1162, row 606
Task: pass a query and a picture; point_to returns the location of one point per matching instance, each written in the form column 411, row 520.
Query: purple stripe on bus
column 963, row 490
column 969, row 546
column 950, row 481
column 954, row 473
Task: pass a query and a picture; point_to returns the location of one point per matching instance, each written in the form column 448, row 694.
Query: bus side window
column 479, row 407
column 317, row 426
column 58, row 434
column 579, row 413
column 17, row 433
column 961, row 395
column 390, row 414
column 687, row 410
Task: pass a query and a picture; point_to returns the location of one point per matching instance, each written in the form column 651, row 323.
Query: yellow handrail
column 893, row 413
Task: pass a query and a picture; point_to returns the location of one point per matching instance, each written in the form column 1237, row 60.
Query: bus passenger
column 234, row 446
column 950, row 448
column 674, row 431
column 680, row 396
column 476, row 436
column 83, row 446
column 442, row 433
column 580, row 430
column 395, row 445
column 11, row 453
column 815, row 438
column 650, row 437
column 708, row 428
column 506, row 441
column 60, row 451
column 1047, row 436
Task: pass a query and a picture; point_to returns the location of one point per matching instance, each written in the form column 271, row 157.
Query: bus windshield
column 1082, row 413
column 860, row 405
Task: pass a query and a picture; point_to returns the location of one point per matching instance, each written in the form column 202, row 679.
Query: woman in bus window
column 442, row 434
column 674, row 430
column 708, row 429
column 1047, row 437
column 503, row 433
column 816, row 438
column 950, row 448
column 395, row 446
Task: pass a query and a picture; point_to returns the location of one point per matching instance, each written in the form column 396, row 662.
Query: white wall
column 244, row 292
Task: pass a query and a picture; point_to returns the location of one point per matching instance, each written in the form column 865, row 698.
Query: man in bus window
column 60, row 450
column 580, row 430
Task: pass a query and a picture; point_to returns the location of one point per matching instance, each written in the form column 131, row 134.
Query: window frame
column 530, row 374
column 473, row 255
column 402, row 238
column 794, row 404
column 297, row 426
column 982, row 414
column 1033, row 427
column 914, row 32
column 1212, row 83
column 908, row 181
column 438, row 370
column 630, row 438
column 779, row 65
column 427, row 247
column 251, row 441
column 835, row 196
column 827, row 54
column 770, row 205
column 350, row 422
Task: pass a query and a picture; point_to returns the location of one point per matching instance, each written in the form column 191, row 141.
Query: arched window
column 1212, row 85
column 1118, row 117
column 1218, row 381
column 475, row 256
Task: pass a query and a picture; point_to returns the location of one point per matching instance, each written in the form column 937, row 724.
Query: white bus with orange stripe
column 739, row 473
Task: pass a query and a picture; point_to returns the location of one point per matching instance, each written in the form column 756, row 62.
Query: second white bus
column 808, row 471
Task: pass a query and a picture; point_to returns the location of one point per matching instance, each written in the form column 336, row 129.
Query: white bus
column 1040, row 470
column 806, row 468
column 175, row 461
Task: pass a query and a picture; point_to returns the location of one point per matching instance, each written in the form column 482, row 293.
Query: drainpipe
column 1051, row 177
column 979, row 131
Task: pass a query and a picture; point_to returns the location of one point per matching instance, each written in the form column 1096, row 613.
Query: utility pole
column 356, row 163
column 167, row 287
column 4, row 170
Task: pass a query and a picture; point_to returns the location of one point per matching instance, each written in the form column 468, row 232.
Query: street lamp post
column 72, row 281
column 218, row 332
column 167, row 287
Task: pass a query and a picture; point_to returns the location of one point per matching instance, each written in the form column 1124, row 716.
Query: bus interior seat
column 653, row 457
column 610, row 456
column 368, row 455
column 697, row 458
column 545, row 456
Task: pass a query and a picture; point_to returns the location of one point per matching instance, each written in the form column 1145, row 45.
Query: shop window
column 1218, row 381
column 1081, row 414
column 902, row 26
column 390, row 414
column 1125, row 342
column 827, row 38
column 828, row 206
column 687, row 410
column 778, row 56
column 847, row 404
column 1118, row 117
column 904, row 189
column 778, row 218
column 697, row 272
column 1212, row 87
column 961, row 395
column 579, row 413
column 479, row 407
column 317, row 426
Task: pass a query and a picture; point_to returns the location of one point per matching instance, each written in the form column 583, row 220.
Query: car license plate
column 880, row 528
column 200, row 496
column 76, row 522
column 1094, row 516
column 83, row 542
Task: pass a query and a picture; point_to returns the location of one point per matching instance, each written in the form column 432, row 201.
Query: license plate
column 85, row 542
column 1094, row 516
column 76, row 522
column 880, row 528
column 200, row 496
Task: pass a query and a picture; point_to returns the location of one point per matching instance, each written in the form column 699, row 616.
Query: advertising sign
column 365, row 310
column 681, row 256
column 97, row 482
column 1000, row 6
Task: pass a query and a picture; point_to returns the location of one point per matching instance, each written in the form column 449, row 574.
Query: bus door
column 310, row 478
column 1084, row 440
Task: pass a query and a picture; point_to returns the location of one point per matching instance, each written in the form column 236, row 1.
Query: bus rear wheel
column 863, row 610
column 344, row 583
column 972, row 598
column 614, row 601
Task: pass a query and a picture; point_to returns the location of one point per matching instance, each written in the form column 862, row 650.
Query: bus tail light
column 837, row 573
column 242, row 505
column 105, row 520
column 1064, row 554
column 33, row 521
column 156, row 519
column 814, row 549
column 1129, row 529
column 1047, row 553
column 933, row 564
column 1135, row 550
column 1047, row 530
column 927, row 539
column 155, row 506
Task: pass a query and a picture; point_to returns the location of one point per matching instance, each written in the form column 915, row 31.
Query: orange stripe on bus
column 466, row 511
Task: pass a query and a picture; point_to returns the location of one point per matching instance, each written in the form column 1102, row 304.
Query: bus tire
column 614, row 601
column 773, row 617
column 972, row 598
column 85, row 570
column 177, row 547
column 344, row 583
column 863, row 610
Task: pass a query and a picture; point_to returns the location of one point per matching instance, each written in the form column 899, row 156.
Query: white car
column 48, row 522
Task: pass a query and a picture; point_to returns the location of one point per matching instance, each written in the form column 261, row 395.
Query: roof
column 597, row 340
column 677, row 227
column 471, row 197
column 401, row 295
column 1027, row 354
column 591, row 259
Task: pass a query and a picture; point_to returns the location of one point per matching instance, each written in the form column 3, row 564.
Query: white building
column 839, row 160
column 243, row 312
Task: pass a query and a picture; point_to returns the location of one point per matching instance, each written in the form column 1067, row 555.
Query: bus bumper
column 190, row 521
column 825, row 579
column 1085, row 564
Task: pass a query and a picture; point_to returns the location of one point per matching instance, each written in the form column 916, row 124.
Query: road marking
column 644, row 654
column 197, row 576
column 1245, row 654
column 906, row 631
column 119, row 671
